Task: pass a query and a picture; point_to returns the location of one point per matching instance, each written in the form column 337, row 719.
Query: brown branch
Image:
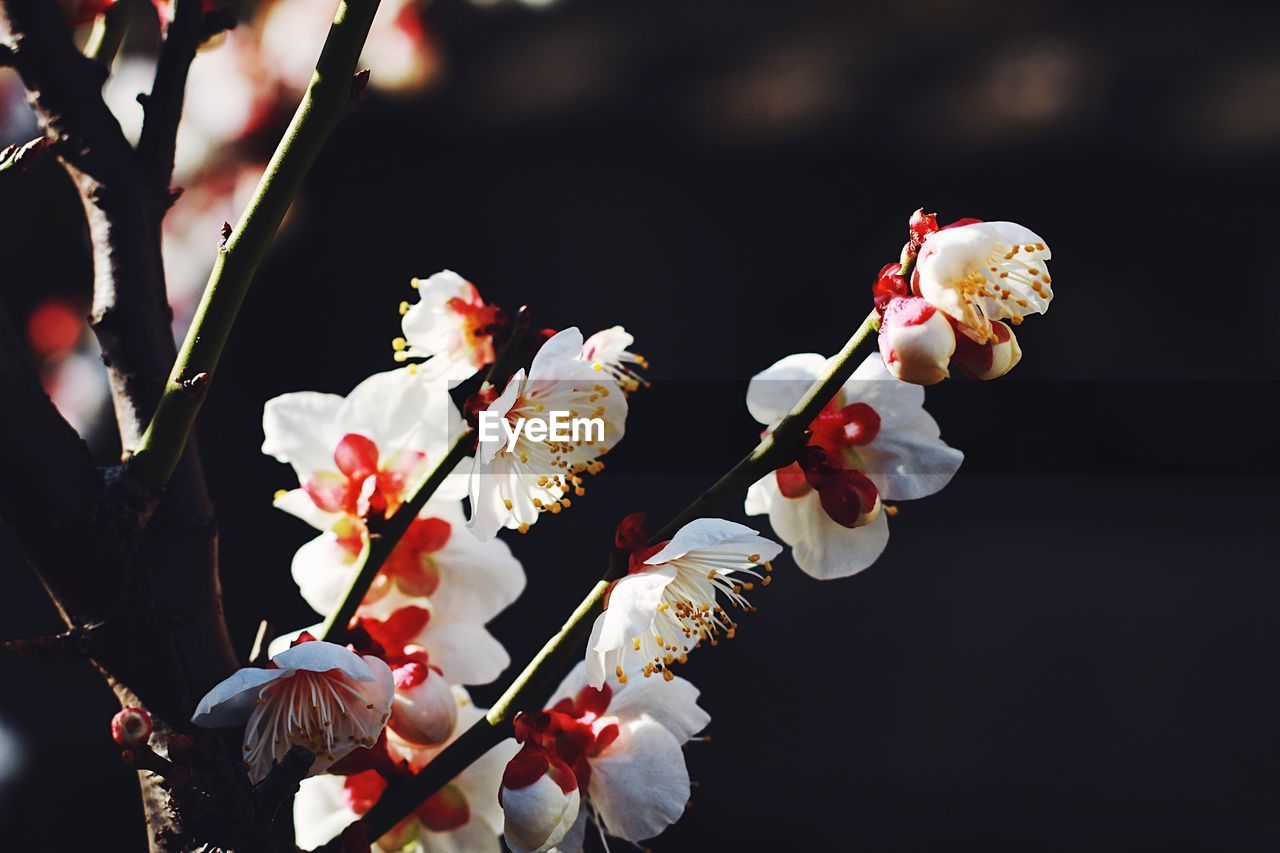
column 141, row 562
column 49, row 486
column 163, row 106
column 130, row 314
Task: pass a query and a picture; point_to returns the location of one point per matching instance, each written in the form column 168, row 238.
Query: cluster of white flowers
column 608, row 747
column 968, row 278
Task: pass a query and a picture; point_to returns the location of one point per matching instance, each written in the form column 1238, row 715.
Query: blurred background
column 1070, row 648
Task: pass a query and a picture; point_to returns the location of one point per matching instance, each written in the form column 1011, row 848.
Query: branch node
column 146, row 758
column 196, row 385
column 359, row 82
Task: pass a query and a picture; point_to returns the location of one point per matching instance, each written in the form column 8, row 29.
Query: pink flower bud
column 539, row 799
column 424, row 711
column 131, row 727
column 991, row 360
column 916, row 341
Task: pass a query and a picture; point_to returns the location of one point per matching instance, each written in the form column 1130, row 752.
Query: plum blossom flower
column 433, row 643
column 451, row 326
column 463, row 815
column 980, row 272
column 511, row 486
column 318, row 695
column 667, row 603
column 359, row 455
column 624, row 743
column 460, row 581
column 607, row 350
column 873, row 440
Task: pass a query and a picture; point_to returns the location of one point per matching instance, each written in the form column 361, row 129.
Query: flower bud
column 916, row 341
column 539, row 799
column 991, row 360
column 131, row 727
column 424, row 711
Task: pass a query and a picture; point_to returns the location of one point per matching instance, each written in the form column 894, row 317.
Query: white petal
column 320, row 812
column 480, row 783
column 576, row 837
column 319, row 656
column 560, row 350
column 474, row 836
column 400, row 412
column 231, row 700
column 302, row 430
column 776, row 389
column 760, row 497
column 892, row 399
column 465, row 651
column 298, row 503
column 322, row 569
column 824, row 549
column 639, row 784
column 911, row 461
column 907, row 459
column 711, row 534
column 672, row 703
column 633, row 603
column 538, row 815
column 478, row 580
column 425, row 713
column 284, row 641
column 487, row 511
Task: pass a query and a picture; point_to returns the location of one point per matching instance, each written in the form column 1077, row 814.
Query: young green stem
column 108, row 33
column 776, row 449
column 329, row 97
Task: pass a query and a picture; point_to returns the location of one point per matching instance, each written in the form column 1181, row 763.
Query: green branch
column 329, row 97
column 108, row 33
column 385, row 539
column 776, row 449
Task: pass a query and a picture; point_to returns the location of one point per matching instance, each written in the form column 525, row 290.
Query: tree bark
column 111, row 551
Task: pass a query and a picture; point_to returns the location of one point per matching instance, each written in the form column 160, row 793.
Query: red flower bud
column 131, row 727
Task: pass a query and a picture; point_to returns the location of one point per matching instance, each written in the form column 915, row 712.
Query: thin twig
column 775, row 449
column 163, row 106
column 326, row 101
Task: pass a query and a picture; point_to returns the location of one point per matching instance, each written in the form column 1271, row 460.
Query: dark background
column 1070, row 648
